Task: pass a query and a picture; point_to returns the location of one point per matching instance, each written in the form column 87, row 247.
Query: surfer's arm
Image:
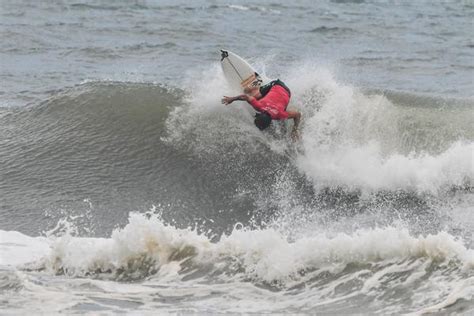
column 242, row 97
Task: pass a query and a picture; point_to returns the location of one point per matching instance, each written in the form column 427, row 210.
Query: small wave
column 264, row 254
column 239, row 7
column 145, row 45
column 94, row 7
column 327, row 29
column 94, row 52
column 131, row 6
column 260, row 8
column 370, row 263
column 348, row 1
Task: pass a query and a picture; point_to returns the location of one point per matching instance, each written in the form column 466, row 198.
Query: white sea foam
column 265, row 254
column 148, row 248
column 365, row 167
column 17, row 249
column 357, row 141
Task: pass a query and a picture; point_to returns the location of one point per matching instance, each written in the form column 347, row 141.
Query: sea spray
column 350, row 139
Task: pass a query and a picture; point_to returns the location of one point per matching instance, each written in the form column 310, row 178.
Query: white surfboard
column 239, row 73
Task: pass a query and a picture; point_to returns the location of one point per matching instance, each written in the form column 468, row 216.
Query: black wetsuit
column 266, row 88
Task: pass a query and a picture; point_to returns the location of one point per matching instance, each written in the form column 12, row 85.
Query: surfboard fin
column 224, row 54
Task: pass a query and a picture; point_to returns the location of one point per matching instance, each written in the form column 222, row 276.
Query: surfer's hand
column 227, row 100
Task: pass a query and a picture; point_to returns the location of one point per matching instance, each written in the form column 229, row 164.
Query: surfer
column 270, row 102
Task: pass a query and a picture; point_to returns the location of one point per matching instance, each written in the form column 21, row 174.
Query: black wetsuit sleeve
column 266, row 88
column 282, row 84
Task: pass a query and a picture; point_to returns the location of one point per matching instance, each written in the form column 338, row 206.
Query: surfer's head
column 262, row 120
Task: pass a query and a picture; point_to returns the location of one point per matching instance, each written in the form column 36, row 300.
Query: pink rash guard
column 274, row 103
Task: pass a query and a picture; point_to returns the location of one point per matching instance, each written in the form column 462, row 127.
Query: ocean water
column 127, row 187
